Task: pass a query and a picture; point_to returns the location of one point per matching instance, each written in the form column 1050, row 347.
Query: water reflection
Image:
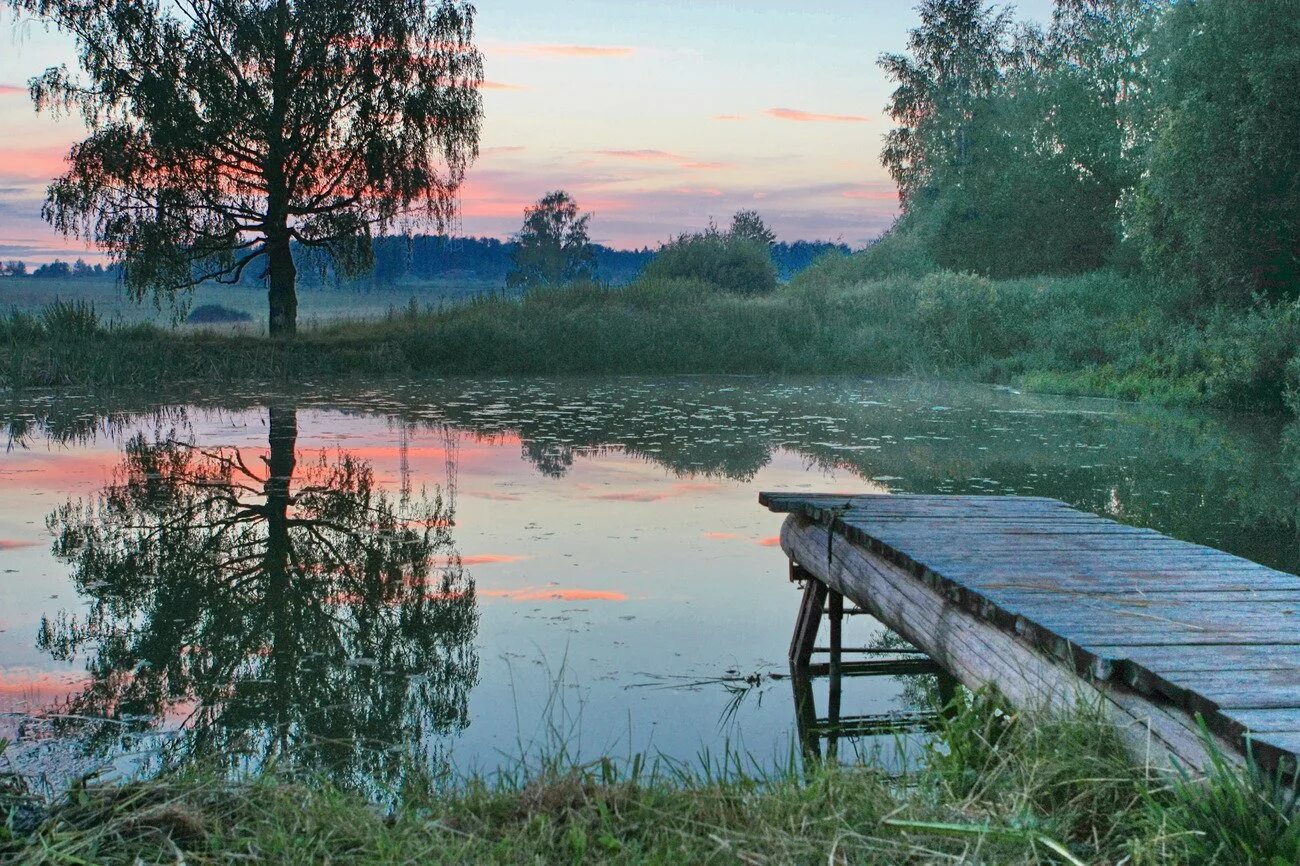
column 265, row 606
column 276, row 600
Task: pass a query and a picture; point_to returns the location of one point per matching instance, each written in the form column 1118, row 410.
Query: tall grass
column 995, row 787
column 1101, row 333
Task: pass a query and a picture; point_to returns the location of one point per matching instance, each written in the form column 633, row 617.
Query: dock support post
column 810, row 619
column 947, row 693
column 836, row 613
column 805, row 715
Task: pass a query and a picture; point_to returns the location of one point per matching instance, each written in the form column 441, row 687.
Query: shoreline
column 1040, row 336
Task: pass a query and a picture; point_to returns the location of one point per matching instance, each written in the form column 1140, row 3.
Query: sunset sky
column 656, row 116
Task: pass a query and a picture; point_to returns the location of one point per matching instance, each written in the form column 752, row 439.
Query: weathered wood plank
column 1284, row 719
column 1284, row 742
column 1228, row 689
column 1130, row 581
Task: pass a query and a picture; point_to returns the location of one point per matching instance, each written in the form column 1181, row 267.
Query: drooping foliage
column 1125, row 131
column 553, row 246
column 954, row 60
column 1015, row 145
column 220, row 131
column 1219, row 205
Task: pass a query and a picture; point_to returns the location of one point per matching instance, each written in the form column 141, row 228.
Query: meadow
column 1101, row 333
column 319, row 304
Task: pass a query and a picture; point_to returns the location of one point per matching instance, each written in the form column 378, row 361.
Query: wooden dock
column 1051, row 604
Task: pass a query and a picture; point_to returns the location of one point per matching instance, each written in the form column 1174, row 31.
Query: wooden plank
column 1153, row 547
column 1285, row 742
column 1093, row 597
column 1159, row 611
column 906, row 536
column 1174, row 635
column 1242, row 658
column 1131, row 582
column 1286, row 719
column 1228, row 689
column 1001, row 531
column 776, row 500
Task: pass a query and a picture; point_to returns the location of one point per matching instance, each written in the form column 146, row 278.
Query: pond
column 459, row 575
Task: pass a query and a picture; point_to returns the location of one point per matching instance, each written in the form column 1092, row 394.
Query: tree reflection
column 269, row 606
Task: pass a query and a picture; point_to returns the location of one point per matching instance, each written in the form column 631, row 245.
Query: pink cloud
column 871, row 194
column 770, row 541
column 32, row 163
column 549, row 594
column 645, row 155
column 729, row 118
column 800, row 116
column 503, row 194
column 567, row 50
column 11, row 544
column 501, row 85
column 25, row 686
column 721, row 536
column 12, row 90
column 481, row 559
column 651, row 155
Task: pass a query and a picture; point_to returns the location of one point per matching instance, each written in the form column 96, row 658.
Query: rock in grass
column 215, row 314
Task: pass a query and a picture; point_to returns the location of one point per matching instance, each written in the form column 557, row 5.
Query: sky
column 656, row 115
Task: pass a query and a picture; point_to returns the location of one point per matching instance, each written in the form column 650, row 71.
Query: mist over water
column 450, row 574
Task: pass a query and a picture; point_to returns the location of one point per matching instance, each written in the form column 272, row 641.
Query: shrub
column 897, row 253
column 1246, row 356
column 960, row 318
column 732, row 264
column 213, row 314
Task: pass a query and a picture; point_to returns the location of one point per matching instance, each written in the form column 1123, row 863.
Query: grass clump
column 995, row 787
column 1236, row 816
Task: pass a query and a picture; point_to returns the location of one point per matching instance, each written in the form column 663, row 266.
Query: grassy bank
column 995, row 788
column 1100, row 334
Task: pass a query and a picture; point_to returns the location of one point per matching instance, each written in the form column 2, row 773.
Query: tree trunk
column 277, row 561
column 283, row 296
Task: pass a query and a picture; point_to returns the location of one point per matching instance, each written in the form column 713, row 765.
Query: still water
column 455, row 574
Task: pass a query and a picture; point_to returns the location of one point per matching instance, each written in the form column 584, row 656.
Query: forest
column 404, row 259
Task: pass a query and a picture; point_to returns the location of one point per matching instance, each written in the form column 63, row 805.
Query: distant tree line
column 399, row 260
column 1125, row 133
column 61, row 270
